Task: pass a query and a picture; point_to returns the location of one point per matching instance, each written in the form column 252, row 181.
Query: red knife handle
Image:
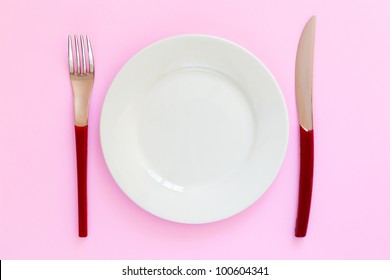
column 81, row 152
column 305, row 181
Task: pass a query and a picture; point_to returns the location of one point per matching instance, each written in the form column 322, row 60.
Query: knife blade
column 304, row 93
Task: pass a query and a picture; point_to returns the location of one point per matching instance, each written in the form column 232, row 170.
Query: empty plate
column 194, row 129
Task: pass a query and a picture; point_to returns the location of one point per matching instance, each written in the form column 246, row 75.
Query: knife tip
column 311, row 24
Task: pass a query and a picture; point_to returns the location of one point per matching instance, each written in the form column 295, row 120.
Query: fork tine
column 70, row 55
column 83, row 54
column 77, row 53
column 90, row 55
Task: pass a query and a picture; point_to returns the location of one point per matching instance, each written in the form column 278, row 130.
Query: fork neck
column 82, row 88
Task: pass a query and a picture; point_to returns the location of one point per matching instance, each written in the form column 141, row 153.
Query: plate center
column 195, row 128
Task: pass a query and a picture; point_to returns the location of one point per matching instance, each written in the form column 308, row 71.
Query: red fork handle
column 305, row 181
column 81, row 152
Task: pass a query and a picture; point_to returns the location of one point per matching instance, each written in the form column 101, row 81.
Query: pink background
column 350, row 216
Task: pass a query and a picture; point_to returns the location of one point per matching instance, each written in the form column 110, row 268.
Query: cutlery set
column 82, row 70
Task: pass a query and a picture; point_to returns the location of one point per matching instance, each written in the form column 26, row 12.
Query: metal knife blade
column 304, row 75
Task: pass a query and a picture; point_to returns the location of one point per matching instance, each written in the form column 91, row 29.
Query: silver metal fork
column 82, row 77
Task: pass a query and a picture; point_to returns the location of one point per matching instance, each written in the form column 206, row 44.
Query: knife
column 303, row 92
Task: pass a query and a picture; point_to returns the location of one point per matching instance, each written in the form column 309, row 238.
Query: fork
column 82, row 77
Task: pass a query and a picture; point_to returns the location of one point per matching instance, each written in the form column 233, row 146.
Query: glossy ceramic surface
column 194, row 129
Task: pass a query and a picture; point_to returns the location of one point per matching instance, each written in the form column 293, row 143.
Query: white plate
column 194, row 129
